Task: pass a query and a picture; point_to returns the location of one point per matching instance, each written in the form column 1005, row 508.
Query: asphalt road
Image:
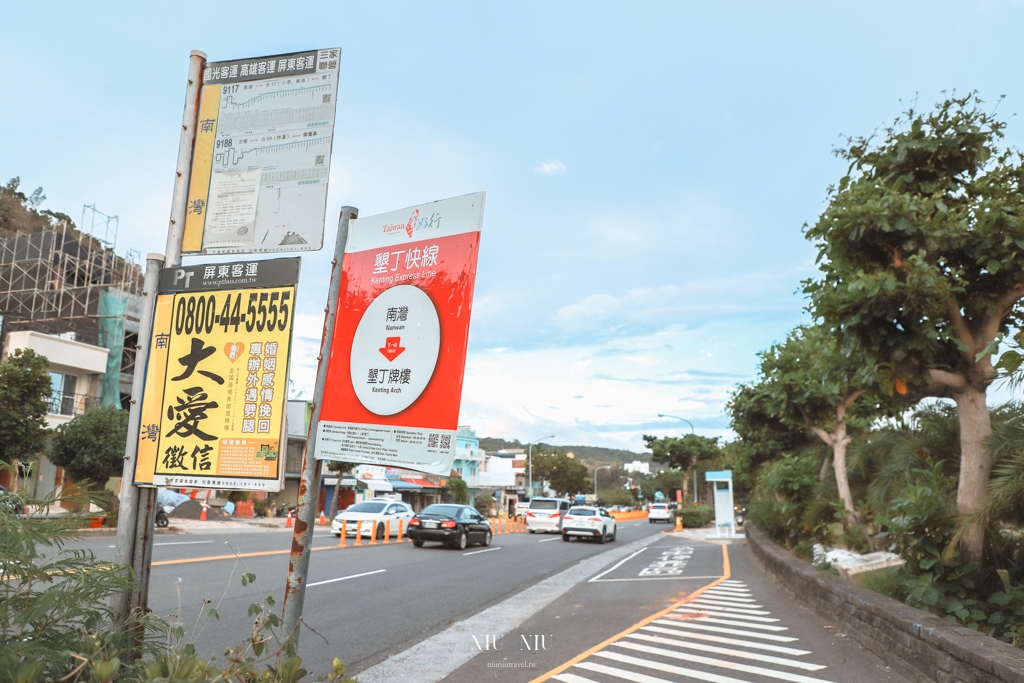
column 529, row 608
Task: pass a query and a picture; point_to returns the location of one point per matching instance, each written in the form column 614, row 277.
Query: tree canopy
column 921, row 250
column 24, row 388
column 91, row 446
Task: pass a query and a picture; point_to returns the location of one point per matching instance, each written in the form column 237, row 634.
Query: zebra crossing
column 721, row 636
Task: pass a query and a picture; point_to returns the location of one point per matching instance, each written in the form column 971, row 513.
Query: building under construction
column 64, row 282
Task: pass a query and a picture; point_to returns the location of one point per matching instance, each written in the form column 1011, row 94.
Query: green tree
column 24, row 388
column 457, row 490
column 922, row 252
column 567, row 476
column 340, row 468
column 682, row 453
column 91, row 446
column 808, row 381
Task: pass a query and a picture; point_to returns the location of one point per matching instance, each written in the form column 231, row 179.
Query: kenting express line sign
column 217, row 380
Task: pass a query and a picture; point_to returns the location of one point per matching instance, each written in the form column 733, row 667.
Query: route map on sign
column 216, row 386
column 262, row 155
column 395, row 369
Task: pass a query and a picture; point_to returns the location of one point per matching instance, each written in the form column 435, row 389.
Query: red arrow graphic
column 392, row 348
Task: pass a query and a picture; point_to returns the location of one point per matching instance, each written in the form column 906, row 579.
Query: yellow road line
column 726, row 573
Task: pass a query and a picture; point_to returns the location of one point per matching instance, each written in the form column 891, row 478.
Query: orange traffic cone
column 202, row 515
column 288, row 523
column 323, row 519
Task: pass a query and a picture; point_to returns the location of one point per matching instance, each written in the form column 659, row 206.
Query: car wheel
column 337, row 534
column 418, row 544
column 533, row 531
column 602, row 539
column 462, row 541
column 380, row 531
column 566, row 537
column 613, row 535
column 650, row 521
column 487, row 540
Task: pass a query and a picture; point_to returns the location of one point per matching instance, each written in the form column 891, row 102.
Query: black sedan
column 10, row 502
column 454, row 525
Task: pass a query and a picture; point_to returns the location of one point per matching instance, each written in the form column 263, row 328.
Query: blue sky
column 648, row 165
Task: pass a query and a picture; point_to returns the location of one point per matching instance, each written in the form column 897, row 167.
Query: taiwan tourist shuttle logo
column 415, row 223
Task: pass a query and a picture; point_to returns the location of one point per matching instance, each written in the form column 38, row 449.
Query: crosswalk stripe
column 724, row 603
column 730, row 582
column 716, row 613
column 704, row 647
column 709, row 605
column 727, row 598
column 719, row 629
column 730, row 622
column 728, row 641
column 697, row 659
column 644, row 678
column 730, row 589
column 573, row 678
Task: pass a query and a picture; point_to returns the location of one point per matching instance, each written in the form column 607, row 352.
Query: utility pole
column 602, row 467
column 309, row 485
column 529, row 461
column 138, row 506
column 683, row 419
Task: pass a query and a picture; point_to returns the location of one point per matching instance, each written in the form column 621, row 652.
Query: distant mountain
column 592, row 455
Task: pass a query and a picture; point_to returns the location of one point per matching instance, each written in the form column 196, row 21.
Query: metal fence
column 61, row 403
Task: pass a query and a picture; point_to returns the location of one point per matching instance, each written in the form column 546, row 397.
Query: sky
column 648, row 165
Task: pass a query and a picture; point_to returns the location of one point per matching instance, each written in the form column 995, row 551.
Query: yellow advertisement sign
column 216, row 387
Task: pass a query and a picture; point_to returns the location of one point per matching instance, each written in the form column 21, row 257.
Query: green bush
column 483, row 504
column 695, row 517
column 260, row 507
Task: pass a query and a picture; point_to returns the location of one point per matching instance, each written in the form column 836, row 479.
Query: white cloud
column 550, row 168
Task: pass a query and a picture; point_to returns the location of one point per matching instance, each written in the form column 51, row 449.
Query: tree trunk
column 686, row 481
column 842, row 476
column 975, row 467
column 826, row 464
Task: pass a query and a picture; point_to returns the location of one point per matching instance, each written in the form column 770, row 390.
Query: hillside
column 592, row 455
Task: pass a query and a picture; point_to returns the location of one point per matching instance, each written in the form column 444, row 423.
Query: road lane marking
column 740, row 610
column 550, row 539
column 578, row 659
column 704, row 647
column 734, row 605
column 730, row 622
column 344, row 578
column 719, row 629
column 715, row 613
column 617, row 565
column 485, row 550
column 644, row 678
column 653, row 578
column 708, row 661
column 174, row 543
column 727, row 641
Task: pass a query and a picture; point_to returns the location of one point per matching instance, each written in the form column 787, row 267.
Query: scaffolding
column 53, row 281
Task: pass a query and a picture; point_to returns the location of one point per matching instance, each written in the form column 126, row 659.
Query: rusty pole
column 309, row 485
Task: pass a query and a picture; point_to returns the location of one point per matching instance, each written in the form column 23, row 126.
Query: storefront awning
column 423, row 483
column 401, row 485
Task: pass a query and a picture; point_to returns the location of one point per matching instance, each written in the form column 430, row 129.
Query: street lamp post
column 602, row 467
column 676, row 417
column 529, row 463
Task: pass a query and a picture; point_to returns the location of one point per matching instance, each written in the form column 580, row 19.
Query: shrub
column 696, row 517
column 483, row 504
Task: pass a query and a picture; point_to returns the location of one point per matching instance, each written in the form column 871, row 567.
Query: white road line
column 557, row 538
column 485, row 550
column 654, row 578
column 707, row 661
column 704, row 647
column 731, row 631
column 721, row 603
column 734, row 582
column 716, row 613
column 730, row 592
column 709, row 605
column 345, row 578
column 644, row 678
column 730, row 622
column 727, row 641
column 617, row 565
column 727, row 598
column 174, row 543
column 573, row 678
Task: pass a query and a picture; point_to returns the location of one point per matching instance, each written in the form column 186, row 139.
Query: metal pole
column 529, row 462
column 128, row 506
column 309, row 485
column 142, row 552
column 602, row 467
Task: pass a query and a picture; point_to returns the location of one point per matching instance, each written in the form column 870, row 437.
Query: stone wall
column 919, row 645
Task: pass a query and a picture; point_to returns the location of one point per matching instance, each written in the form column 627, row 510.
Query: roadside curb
column 921, row 646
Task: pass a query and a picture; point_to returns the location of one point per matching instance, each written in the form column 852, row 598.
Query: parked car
column 522, row 507
column 453, row 525
column 374, row 515
column 659, row 512
column 10, row 503
column 545, row 514
column 595, row 523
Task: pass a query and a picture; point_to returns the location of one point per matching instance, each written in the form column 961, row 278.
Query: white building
column 76, row 378
column 638, row 466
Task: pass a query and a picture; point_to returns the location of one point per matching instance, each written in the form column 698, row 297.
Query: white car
column 374, row 515
column 545, row 514
column 659, row 512
column 588, row 522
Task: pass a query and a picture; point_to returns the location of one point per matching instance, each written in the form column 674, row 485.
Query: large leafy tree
column 922, row 252
column 565, row 475
column 683, row 453
column 807, row 381
column 91, row 446
column 24, row 388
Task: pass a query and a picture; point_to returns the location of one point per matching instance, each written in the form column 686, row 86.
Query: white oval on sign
column 395, row 349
